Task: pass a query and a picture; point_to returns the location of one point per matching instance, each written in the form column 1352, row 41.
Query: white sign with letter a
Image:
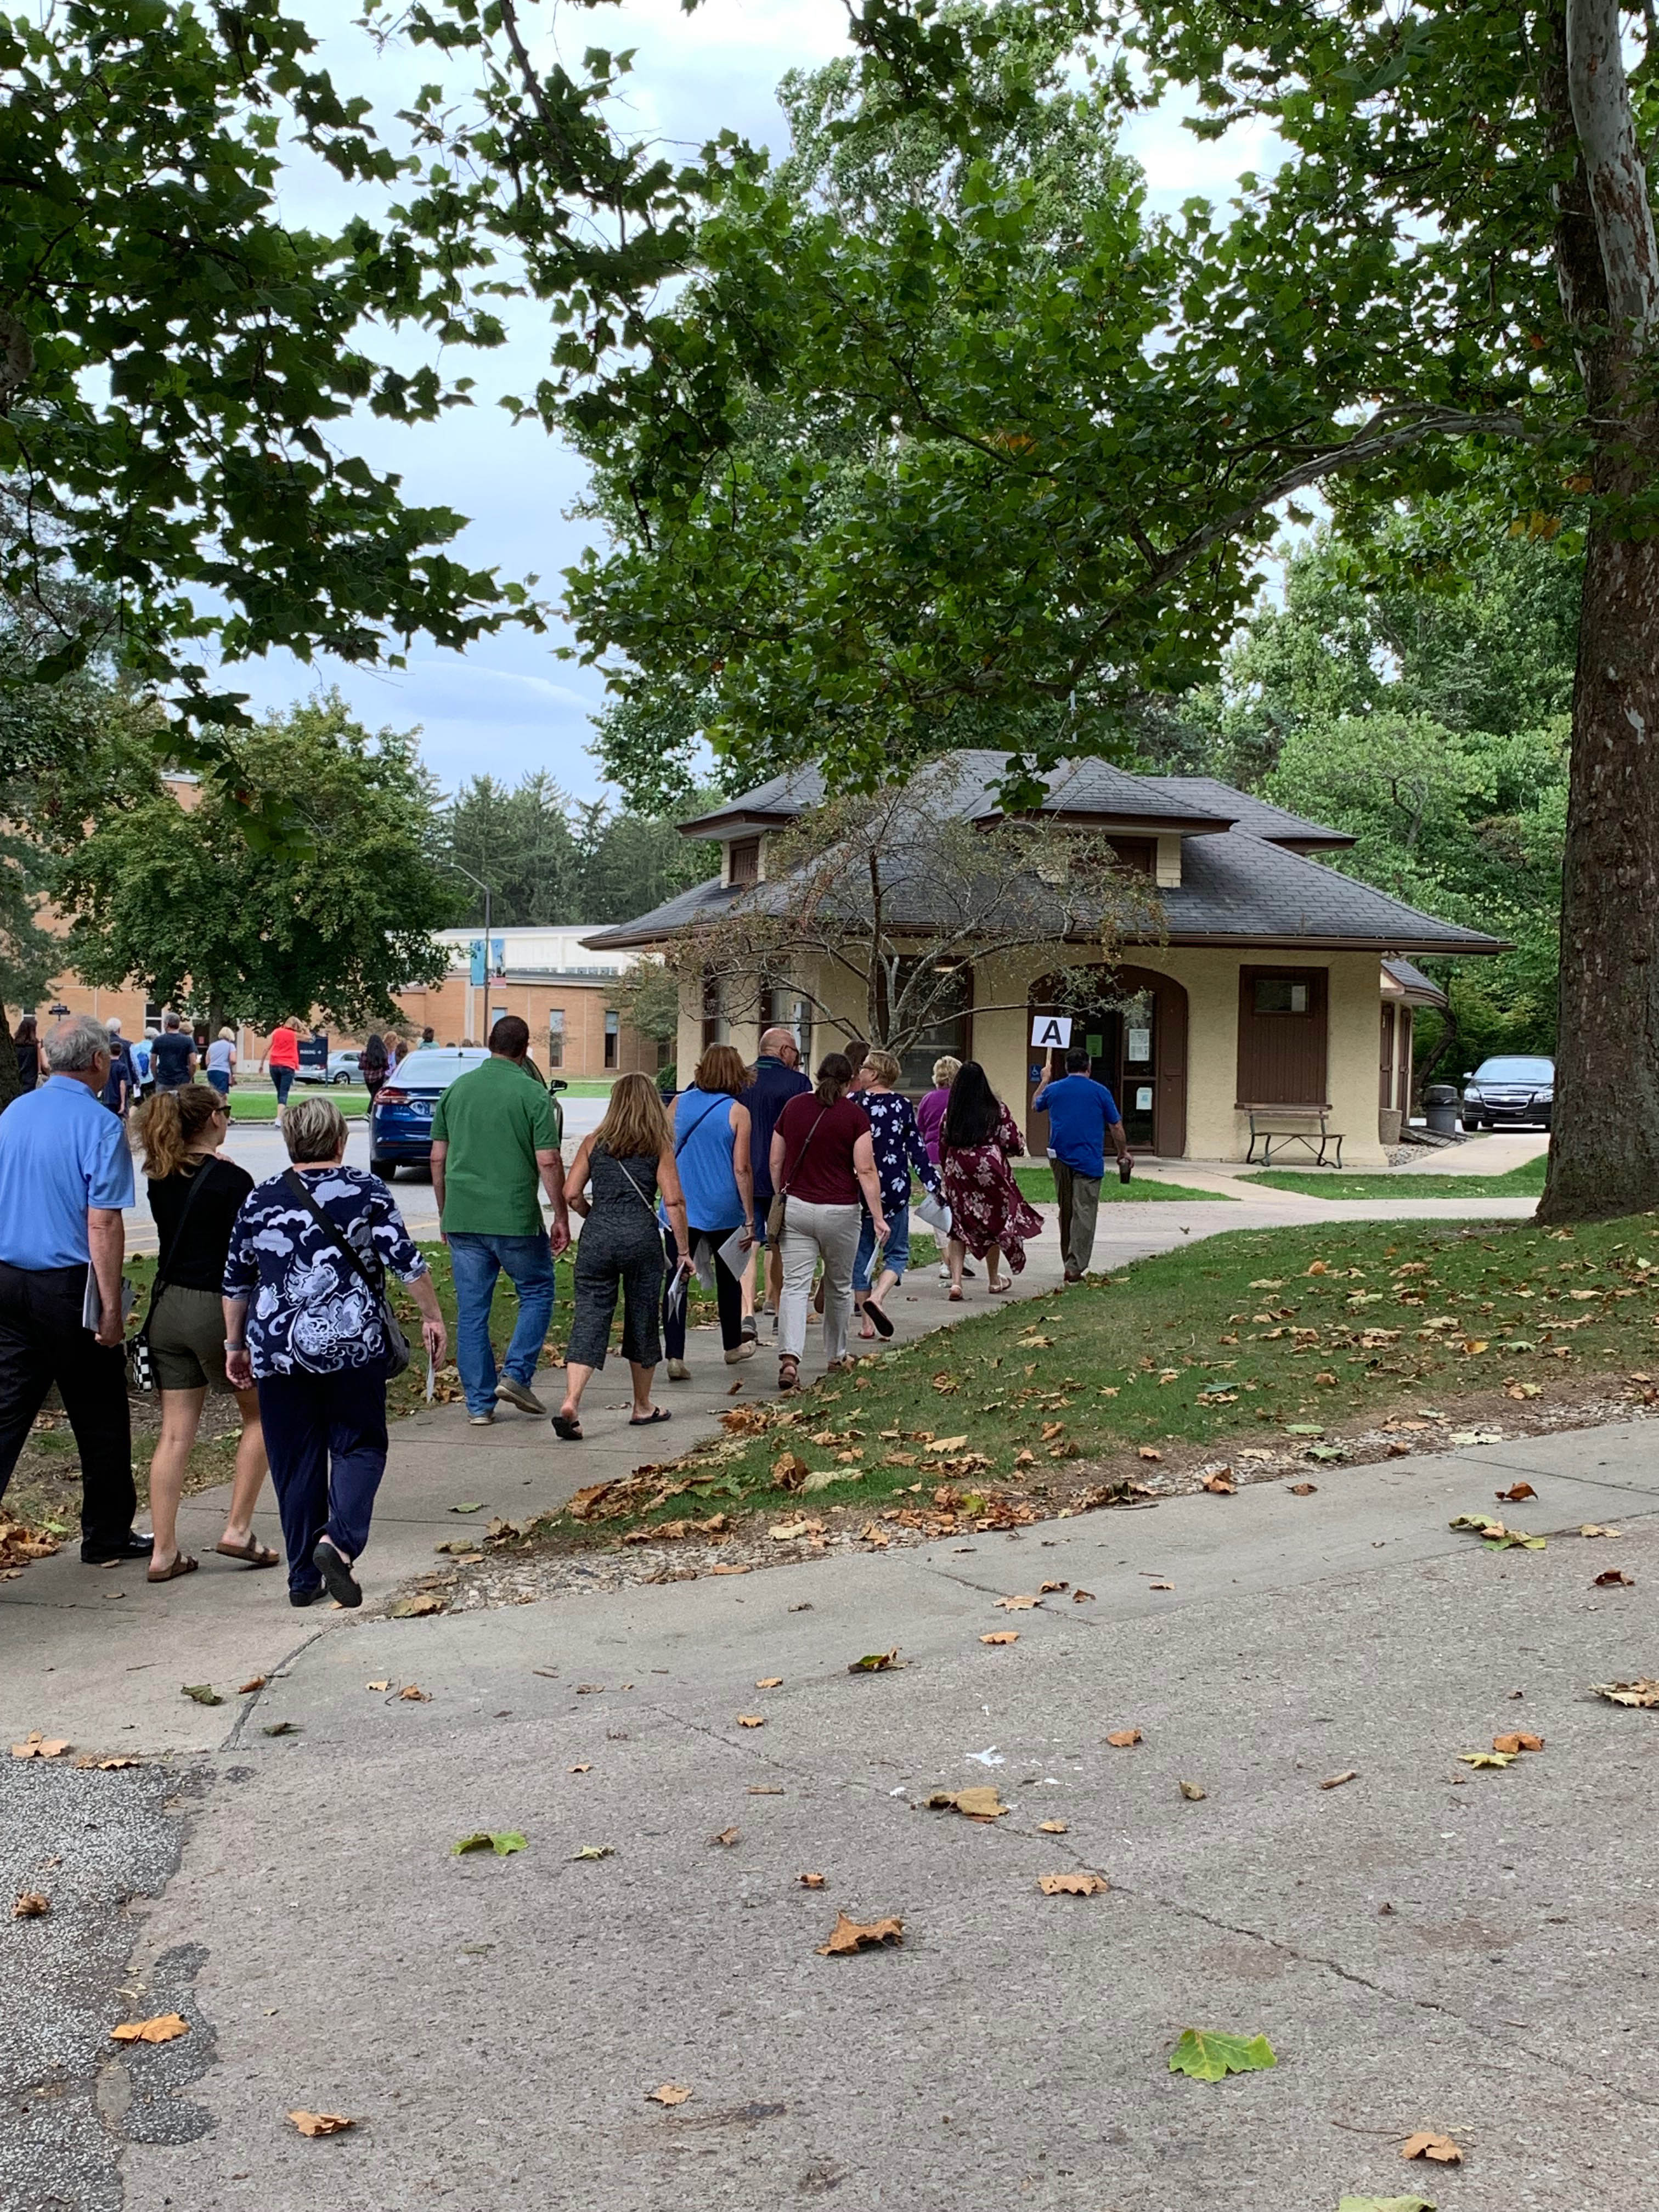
column 1052, row 1032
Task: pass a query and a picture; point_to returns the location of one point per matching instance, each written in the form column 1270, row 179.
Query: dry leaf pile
column 35, row 1745
column 321, row 2124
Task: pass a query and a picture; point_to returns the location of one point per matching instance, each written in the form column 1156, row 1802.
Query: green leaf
column 594, row 1851
column 473, row 1505
column 1209, row 2057
column 502, row 1842
column 1488, row 1758
column 204, row 1692
column 1304, row 1429
column 481, row 1842
column 508, row 1841
column 281, row 1727
column 1385, row 2204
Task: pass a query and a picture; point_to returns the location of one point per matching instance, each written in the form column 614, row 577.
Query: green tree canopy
column 173, row 897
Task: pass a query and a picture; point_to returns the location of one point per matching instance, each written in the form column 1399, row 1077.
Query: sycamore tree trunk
column 10, row 1086
column 1604, row 1152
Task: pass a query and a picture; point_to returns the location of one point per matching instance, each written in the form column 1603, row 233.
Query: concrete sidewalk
column 1425, row 1946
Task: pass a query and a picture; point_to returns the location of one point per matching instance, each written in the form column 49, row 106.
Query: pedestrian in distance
column 716, row 1172
column 120, row 1092
column 823, row 1160
column 899, row 1152
column 195, row 1197
column 990, row 1217
column 172, row 1055
column 140, row 1067
column 65, row 1176
column 776, row 1079
column 429, row 1036
column 222, row 1062
column 1082, row 1116
column 614, row 1183
column 930, row 1119
column 282, row 1057
column 374, row 1065
column 492, row 1141
column 306, row 1324
column 26, row 1038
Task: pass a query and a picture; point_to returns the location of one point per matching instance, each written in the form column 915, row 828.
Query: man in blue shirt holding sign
column 1082, row 1114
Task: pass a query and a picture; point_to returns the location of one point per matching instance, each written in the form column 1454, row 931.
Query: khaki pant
column 1079, row 1204
column 811, row 1232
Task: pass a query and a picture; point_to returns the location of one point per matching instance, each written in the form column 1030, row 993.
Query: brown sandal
column 788, row 1374
column 182, row 1564
column 254, row 1554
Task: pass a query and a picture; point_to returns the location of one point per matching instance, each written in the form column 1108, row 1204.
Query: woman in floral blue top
column 899, row 1149
column 303, row 1327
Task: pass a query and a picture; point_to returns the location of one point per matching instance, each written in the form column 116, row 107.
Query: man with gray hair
column 777, row 1078
column 66, row 1174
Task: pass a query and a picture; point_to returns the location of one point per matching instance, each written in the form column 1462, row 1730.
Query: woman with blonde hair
column 716, row 1171
column 194, row 1200
column 222, row 1062
column 614, row 1183
column 930, row 1120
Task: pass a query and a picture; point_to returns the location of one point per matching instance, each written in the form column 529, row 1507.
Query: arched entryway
column 1135, row 1030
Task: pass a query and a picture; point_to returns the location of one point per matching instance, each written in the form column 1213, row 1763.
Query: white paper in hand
column 732, row 1251
column 934, row 1211
column 431, row 1376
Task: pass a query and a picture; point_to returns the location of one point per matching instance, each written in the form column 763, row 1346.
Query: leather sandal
column 181, row 1563
column 254, row 1554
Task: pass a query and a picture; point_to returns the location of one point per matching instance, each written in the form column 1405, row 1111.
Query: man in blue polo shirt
column 66, row 1174
column 1082, row 1114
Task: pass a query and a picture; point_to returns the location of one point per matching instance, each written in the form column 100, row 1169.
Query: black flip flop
column 570, row 1429
column 338, row 1579
column 882, row 1322
column 656, row 1413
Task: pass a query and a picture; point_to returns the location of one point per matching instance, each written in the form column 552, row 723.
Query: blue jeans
column 897, row 1254
column 325, row 1436
column 476, row 1260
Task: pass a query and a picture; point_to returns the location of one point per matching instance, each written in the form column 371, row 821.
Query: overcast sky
column 510, row 705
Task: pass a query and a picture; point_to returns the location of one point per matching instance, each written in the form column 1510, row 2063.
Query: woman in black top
column 180, row 1131
column 372, row 1064
column 25, row 1038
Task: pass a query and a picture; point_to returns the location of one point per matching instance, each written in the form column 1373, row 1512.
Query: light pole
column 484, row 887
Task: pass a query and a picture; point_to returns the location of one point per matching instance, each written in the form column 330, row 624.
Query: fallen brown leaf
column 35, row 1745
column 1046, row 1590
column 1515, row 1494
column 31, row 1904
column 1147, row 1452
column 1518, row 1742
column 321, row 2124
column 752, row 1720
column 672, row 2092
column 1053, row 1827
column 1083, row 1597
column 377, row 1685
column 1001, row 1636
column 1163, row 1586
column 848, row 1935
column 586, row 1767
column 981, row 1802
column 810, row 1880
column 407, row 1608
column 769, row 1682
column 728, row 1836
column 1336, row 1781
column 1072, row 1885
column 1194, row 1792
column 1023, row 1604
column 253, row 1682
column 1643, row 1692
column 1441, row 2148
column 789, row 1471
column 1304, row 1489
column 1221, row 1482
column 1121, row 1739
column 729, row 1567
column 163, row 2028
column 412, row 1694
column 1612, row 1577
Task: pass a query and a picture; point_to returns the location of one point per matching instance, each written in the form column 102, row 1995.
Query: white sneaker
column 482, row 1420
column 678, row 1372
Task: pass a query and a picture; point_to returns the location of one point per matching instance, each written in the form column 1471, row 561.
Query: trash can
column 1440, row 1109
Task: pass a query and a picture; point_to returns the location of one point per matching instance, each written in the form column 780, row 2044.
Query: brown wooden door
column 1385, row 1075
column 1161, row 1126
column 1282, row 1018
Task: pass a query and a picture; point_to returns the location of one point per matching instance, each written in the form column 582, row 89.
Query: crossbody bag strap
column 785, row 1187
column 295, row 1182
column 163, row 1266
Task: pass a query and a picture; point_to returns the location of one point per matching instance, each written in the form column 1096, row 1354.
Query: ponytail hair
column 171, row 1123
column 835, row 1073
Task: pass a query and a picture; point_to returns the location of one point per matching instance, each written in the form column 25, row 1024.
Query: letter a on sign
column 1051, row 1032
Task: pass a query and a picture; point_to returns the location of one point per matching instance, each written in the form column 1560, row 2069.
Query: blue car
column 400, row 1126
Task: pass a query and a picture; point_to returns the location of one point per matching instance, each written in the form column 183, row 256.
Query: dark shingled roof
column 1240, row 885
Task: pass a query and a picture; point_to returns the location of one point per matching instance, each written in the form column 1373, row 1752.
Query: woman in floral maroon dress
column 989, row 1217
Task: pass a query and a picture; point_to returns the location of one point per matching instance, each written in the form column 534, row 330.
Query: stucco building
column 1274, row 992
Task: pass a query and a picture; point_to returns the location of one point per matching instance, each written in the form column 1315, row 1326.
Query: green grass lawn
column 1524, row 1181
column 1247, row 1338
column 255, row 1105
column 1036, row 1179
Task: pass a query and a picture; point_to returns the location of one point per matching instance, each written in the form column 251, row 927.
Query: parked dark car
column 400, row 1125
column 1510, row 1092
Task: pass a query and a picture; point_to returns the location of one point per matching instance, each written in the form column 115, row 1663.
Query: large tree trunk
column 1604, row 1157
column 10, row 1086
column 1604, row 1154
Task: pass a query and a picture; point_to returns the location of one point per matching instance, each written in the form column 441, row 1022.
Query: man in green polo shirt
column 492, row 1141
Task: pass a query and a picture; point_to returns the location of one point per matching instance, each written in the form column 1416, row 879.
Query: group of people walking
column 787, row 1195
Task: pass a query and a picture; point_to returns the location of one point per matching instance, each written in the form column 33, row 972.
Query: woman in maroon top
column 821, row 1159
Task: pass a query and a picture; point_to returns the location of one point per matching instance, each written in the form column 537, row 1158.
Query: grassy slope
column 1523, row 1182
column 1206, row 1343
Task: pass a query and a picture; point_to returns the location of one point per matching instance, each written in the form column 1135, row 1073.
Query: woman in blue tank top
column 712, row 1153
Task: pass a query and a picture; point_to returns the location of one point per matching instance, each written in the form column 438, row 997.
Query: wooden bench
column 1278, row 1125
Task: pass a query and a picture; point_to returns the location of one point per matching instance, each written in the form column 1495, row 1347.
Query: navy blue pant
column 325, row 1439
